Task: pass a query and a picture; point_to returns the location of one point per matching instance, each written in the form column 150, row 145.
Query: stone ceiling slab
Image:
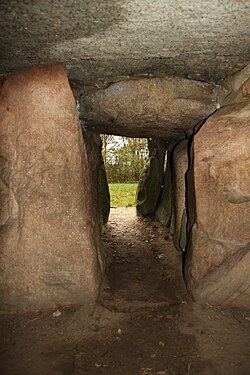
column 154, row 107
column 97, row 39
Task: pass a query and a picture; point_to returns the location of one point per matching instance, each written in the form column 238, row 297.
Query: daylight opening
column 124, row 161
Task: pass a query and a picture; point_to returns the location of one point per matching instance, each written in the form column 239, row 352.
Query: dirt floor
column 145, row 322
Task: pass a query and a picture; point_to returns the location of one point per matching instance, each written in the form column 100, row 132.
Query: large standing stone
column 179, row 216
column 218, row 263
column 48, row 250
column 150, row 183
column 104, row 193
column 99, row 180
column 158, row 107
column 164, row 209
column 100, row 189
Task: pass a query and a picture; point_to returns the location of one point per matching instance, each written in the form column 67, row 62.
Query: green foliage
column 122, row 195
column 124, row 158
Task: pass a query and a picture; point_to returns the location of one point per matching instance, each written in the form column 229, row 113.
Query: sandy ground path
column 145, row 322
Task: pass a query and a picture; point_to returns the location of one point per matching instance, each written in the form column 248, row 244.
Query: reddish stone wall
column 218, row 266
column 48, row 253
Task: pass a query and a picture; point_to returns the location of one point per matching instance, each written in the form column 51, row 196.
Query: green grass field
column 122, row 195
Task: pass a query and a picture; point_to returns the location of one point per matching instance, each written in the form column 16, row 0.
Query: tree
column 124, row 158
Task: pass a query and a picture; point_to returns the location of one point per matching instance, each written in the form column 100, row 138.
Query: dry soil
column 145, row 322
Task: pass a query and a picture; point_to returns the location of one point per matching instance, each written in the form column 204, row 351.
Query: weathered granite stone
column 99, row 181
column 156, row 107
column 242, row 94
column 101, row 198
column 48, row 248
column 218, row 262
column 234, row 82
column 204, row 40
column 178, row 218
column 163, row 212
column 235, row 88
column 150, row 183
column 246, row 88
column 104, row 194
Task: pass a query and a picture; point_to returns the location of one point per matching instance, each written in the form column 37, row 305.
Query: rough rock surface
column 104, row 193
column 178, row 199
column 235, row 88
column 240, row 95
column 157, row 107
column 99, row 183
column 218, row 260
column 149, row 186
column 163, row 212
column 96, row 39
column 99, row 191
column 234, row 82
column 48, row 250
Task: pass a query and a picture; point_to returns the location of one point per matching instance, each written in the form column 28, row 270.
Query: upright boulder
column 48, row 254
column 104, row 193
column 150, row 183
column 164, row 209
column 99, row 189
column 218, row 262
column 99, row 180
column 178, row 192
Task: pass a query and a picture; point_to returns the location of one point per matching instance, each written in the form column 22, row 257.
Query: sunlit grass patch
column 122, row 195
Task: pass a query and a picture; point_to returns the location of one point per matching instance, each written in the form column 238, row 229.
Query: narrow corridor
column 145, row 322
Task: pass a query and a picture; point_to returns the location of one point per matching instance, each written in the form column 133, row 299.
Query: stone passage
column 47, row 233
column 219, row 252
column 54, row 196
